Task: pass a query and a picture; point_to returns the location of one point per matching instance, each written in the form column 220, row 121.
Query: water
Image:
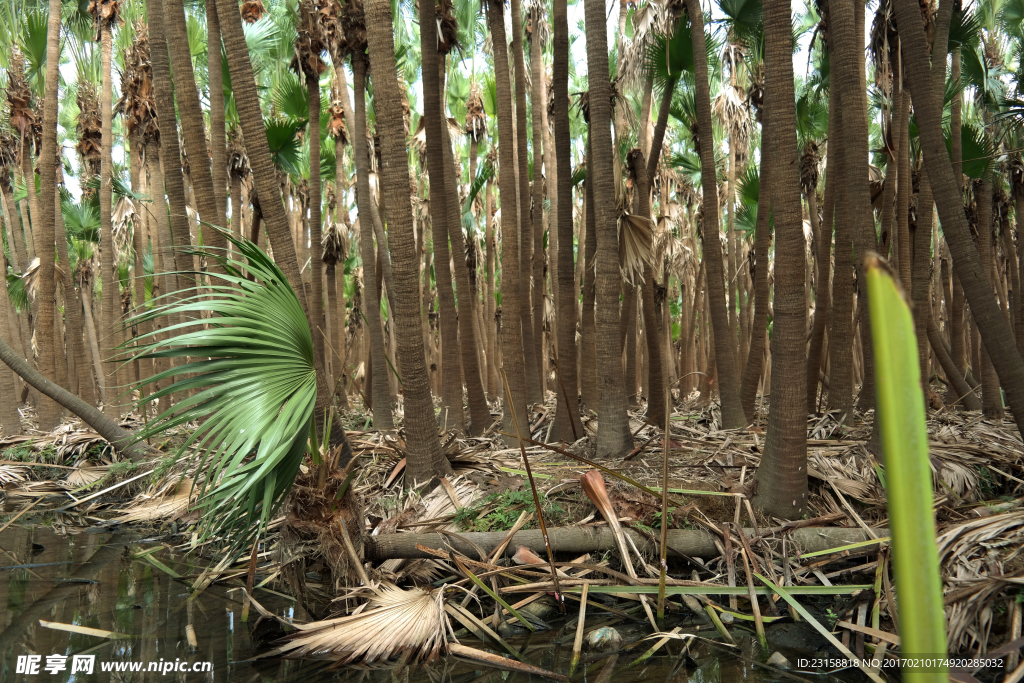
column 118, row 591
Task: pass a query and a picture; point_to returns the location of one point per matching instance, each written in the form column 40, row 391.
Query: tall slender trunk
column 541, row 156
column 998, row 337
column 782, row 476
column 493, row 381
column 528, row 289
column 588, row 249
column 759, row 337
column 112, row 403
column 567, row 412
column 425, row 457
column 379, row 390
column 823, row 262
column 218, row 127
column 433, row 79
column 613, row 437
column 840, row 375
column 10, row 419
column 479, row 412
column 315, row 217
column 655, row 385
column 728, row 385
column 163, row 258
column 209, row 201
column 513, row 361
column 991, row 397
column 920, row 280
column 48, row 413
column 904, row 190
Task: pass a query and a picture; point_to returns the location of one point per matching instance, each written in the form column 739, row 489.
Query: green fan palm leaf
column 251, row 368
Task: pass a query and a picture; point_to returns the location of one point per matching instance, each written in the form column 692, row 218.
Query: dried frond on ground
column 394, row 621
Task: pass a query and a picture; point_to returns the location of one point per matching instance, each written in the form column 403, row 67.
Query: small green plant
column 832, row 617
column 507, row 507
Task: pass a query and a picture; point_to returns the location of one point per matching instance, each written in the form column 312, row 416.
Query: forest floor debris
column 75, row 483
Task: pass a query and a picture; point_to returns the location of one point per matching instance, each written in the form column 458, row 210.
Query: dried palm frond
column 105, row 13
column 447, row 27
column 90, row 129
column 810, row 165
column 336, row 124
column 476, row 116
column 21, row 113
column 636, row 245
column 123, row 221
column 12, row 474
column 310, row 43
column 252, row 11
column 170, row 502
column 393, row 622
column 334, row 243
column 86, row 474
column 137, row 102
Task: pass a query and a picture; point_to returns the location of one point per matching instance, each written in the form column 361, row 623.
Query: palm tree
column 998, row 337
column 425, row 456
column 613, row 437
column 106, row 15
column 380, row 396
column 782, row 476
column 192, row 129
column 218, row 124
column 309, row 46
column 250, row 117
column 527, row 288
column 567, row 412
column 49, row 411
column 512, row 359
column 728, row 384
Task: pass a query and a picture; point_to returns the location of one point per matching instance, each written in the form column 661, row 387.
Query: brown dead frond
column 393, row 622
column 636, row 245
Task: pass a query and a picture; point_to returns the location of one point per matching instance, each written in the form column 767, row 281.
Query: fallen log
column 581, row 540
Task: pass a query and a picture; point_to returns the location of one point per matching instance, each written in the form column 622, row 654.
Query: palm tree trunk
column 998, row 338
column 479, row 412
column 169, row 166
column 991, row 396
column 655, row 385
column 513, row 361
column 588, row 246
column 441, row 222
column 904, row 190
column 823, row 265
column 539, row 109
column 315, row 218
column 123, row 441
column 782, row 476
column 733, row 416
column 163, row 256
column 209, row 201
column 613, row 437
column 921, row 276
column 758, row 343
column 567, row 411
column 218, row 126
column 48, row 412
column 527, row 288
column 425, row 457
column 10, row 419
column 82, row 383
column 111, row 294
column 490, row 275
column 379, row 390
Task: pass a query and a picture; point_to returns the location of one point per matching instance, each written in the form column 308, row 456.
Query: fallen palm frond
column 170, row 503
column 393, row 622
